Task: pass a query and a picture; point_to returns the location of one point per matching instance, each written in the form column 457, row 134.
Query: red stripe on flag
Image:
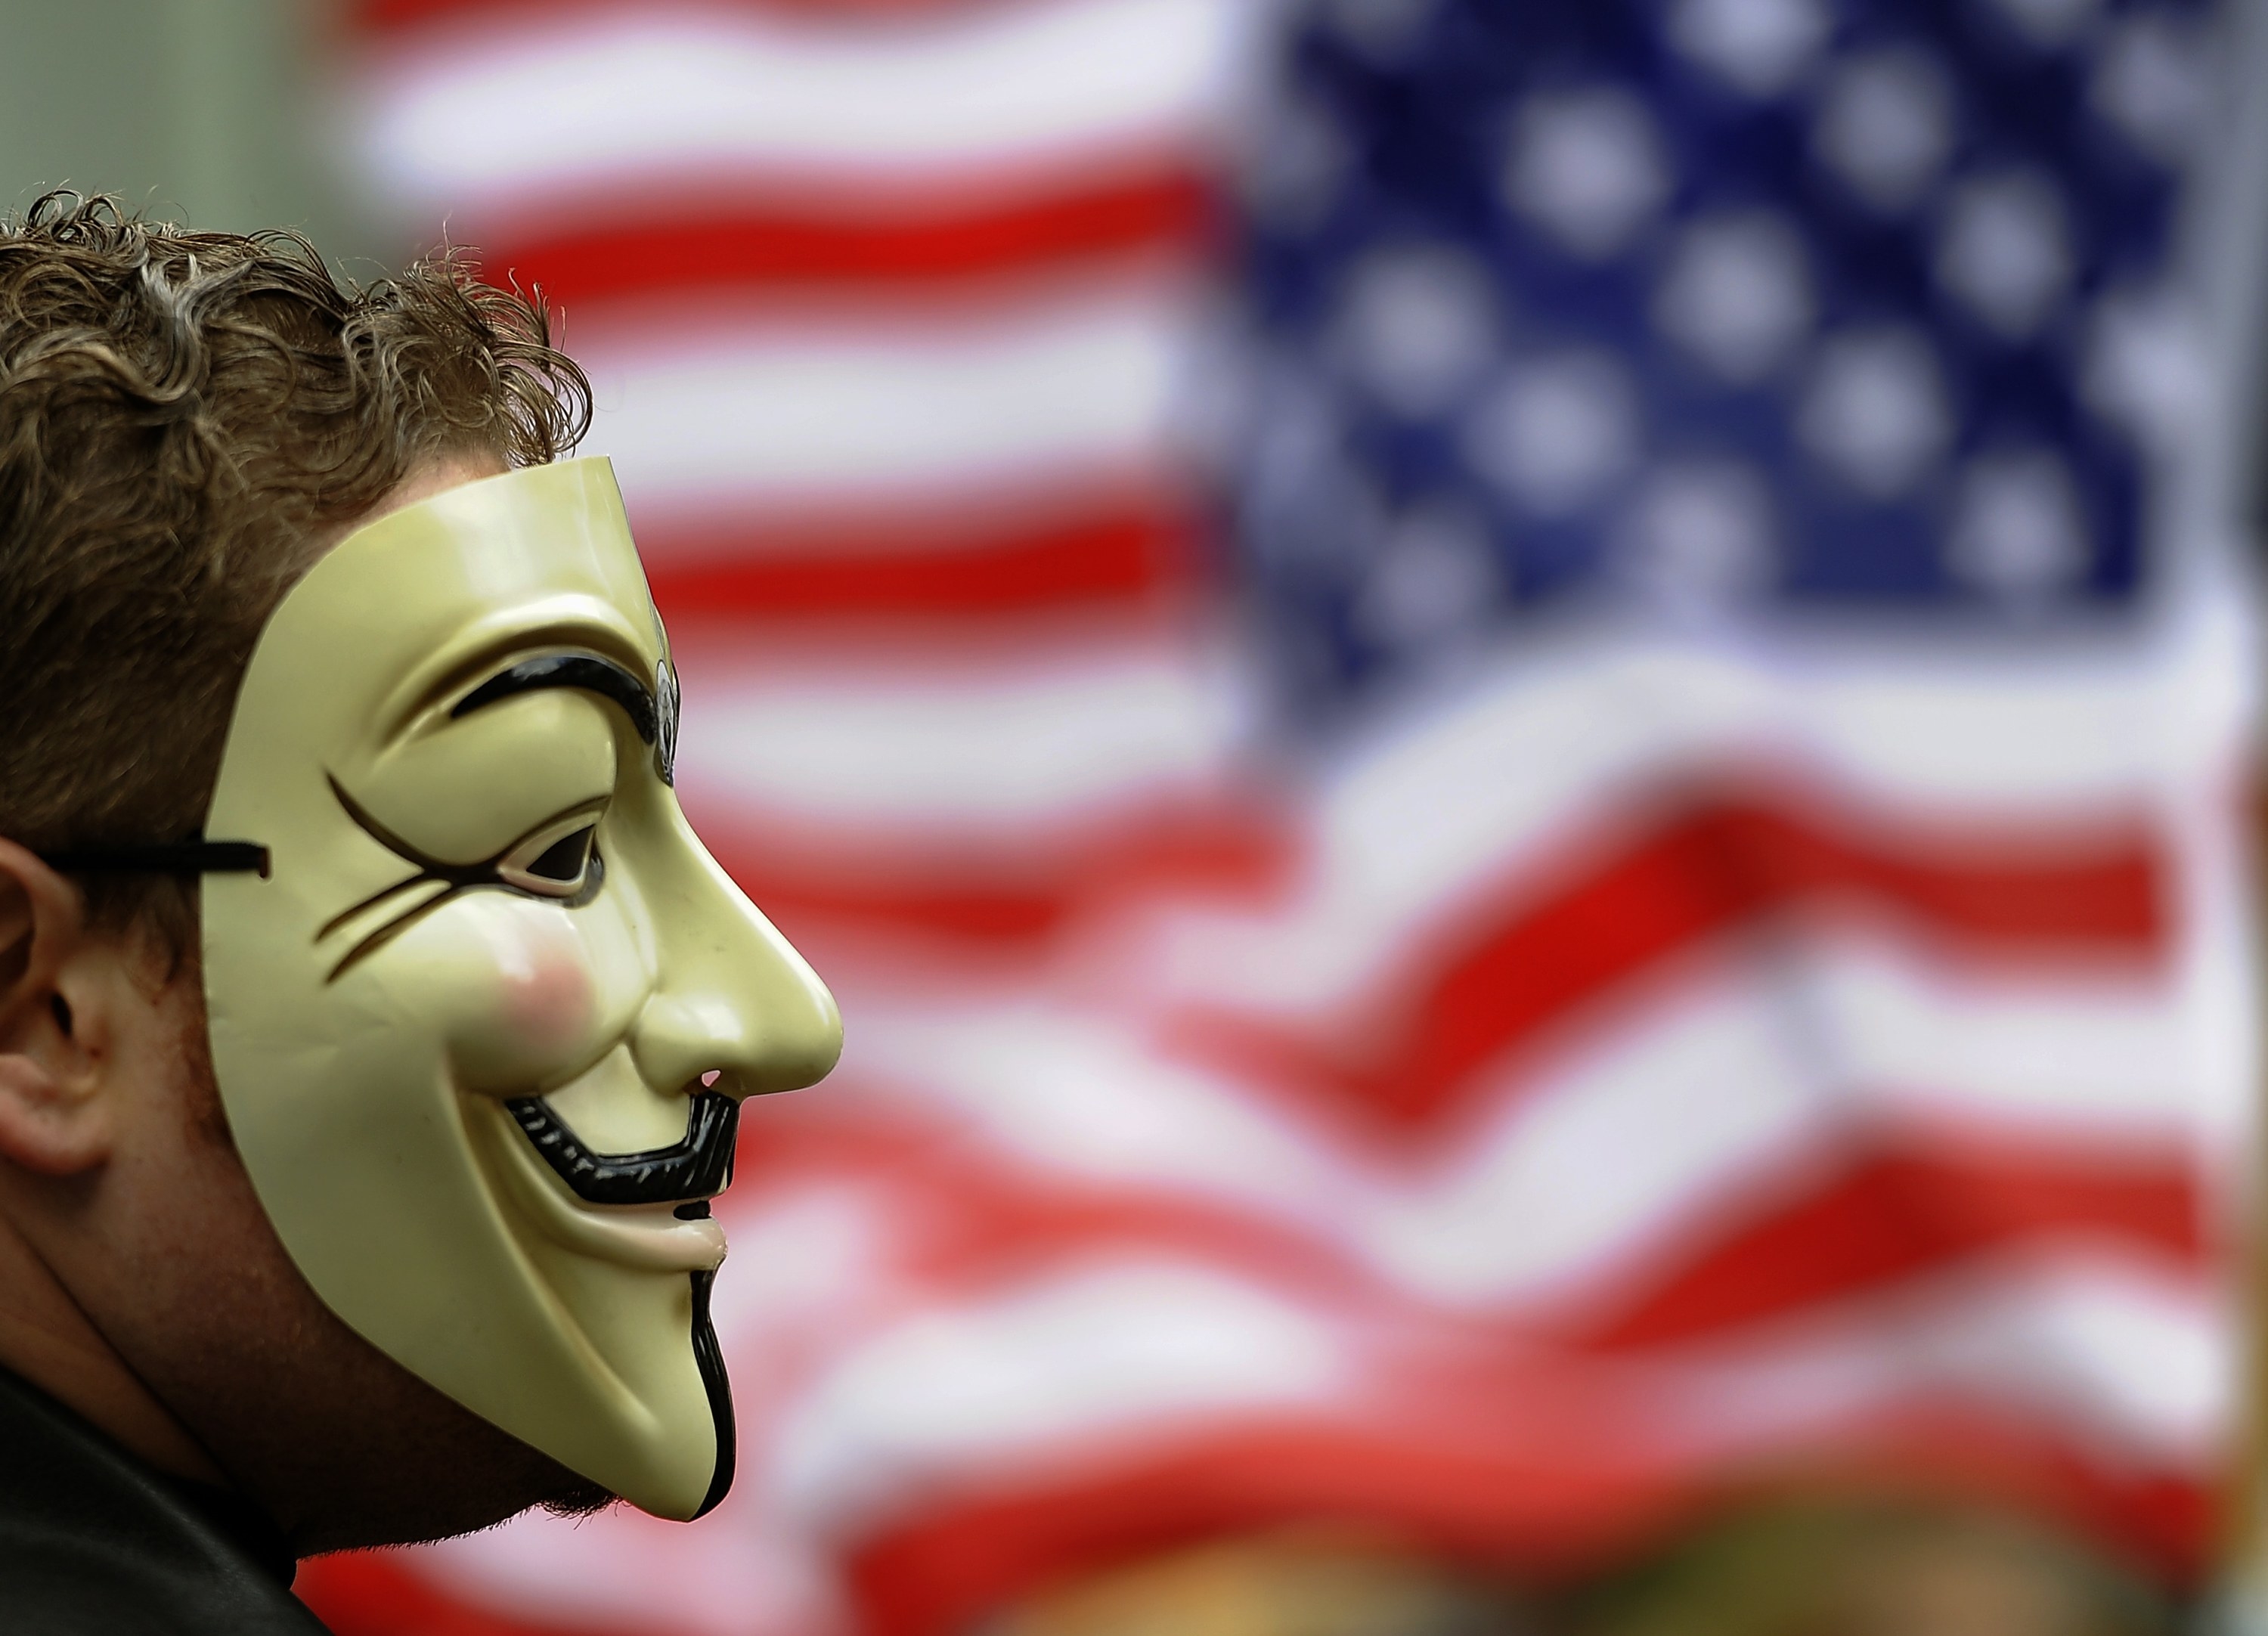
column 893, row 566
column 367, row 1593
column 959, row 1564
column 986, row 1216
column 1888, row 1216
column 1003, row 894
column 1520, row 962
column 888, row 240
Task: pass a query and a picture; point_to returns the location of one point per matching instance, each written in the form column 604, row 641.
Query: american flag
column 1512, row 728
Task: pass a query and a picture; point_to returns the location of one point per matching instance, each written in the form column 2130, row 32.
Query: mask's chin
column 710, row 1359
column 609, row 1235
column 681, row 1177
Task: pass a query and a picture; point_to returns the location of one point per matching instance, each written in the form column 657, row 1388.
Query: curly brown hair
column 187, row 421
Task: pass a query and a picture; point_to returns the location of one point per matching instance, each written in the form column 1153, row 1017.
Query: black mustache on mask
column 697, row 1166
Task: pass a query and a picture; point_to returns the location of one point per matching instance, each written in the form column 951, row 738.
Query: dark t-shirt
column 94, row 1543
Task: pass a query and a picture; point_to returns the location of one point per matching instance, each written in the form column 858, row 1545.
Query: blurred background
column 1521, row 731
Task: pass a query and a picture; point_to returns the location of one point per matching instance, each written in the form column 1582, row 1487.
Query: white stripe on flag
column 483, row 124
column 951, row 404
column 1005, row 747
column 2131, row 1356
column 1104, row 1349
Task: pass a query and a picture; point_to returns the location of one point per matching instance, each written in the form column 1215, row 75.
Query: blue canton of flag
column 1823, row 307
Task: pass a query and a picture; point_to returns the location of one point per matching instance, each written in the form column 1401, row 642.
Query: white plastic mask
column 483, row 1032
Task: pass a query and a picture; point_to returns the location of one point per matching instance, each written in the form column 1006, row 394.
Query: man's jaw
column 340, row 1445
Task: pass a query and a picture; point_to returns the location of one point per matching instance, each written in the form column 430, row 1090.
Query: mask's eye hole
column 555, row 861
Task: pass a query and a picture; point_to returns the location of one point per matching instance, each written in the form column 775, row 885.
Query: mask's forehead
column 410, row 607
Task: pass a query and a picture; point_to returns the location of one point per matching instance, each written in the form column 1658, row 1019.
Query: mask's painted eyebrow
column 590, row 671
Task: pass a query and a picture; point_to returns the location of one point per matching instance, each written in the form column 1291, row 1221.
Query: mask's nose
column 732, row 996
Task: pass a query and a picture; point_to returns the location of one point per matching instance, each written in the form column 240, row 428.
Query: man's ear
column 53, row 1117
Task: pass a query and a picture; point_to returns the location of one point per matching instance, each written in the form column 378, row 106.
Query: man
column 372, row 1028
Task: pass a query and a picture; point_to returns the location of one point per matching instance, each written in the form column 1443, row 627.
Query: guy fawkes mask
column 483, row 1028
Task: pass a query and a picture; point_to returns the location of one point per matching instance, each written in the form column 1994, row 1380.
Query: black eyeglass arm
column 177, row 857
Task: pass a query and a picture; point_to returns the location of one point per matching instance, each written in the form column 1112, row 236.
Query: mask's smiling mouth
column 630, row 1209
column 698, row 1167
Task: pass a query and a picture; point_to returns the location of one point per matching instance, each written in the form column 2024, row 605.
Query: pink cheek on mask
column 546, row 994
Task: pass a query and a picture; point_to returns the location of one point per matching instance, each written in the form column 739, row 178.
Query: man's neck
column 47, row 1340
